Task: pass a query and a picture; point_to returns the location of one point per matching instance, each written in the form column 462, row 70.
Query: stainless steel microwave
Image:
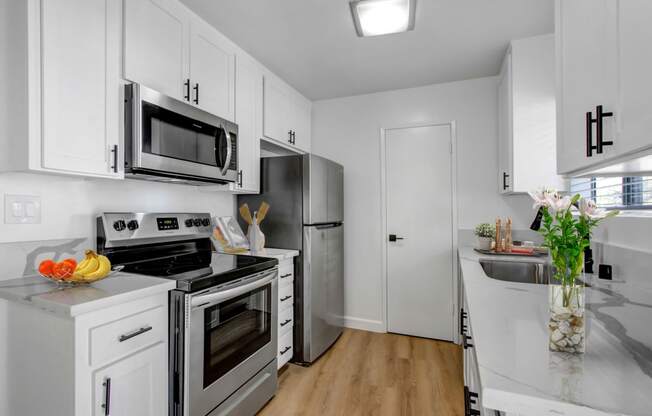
column 171, row 141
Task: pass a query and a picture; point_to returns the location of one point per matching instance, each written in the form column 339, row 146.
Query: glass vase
column 566, row 327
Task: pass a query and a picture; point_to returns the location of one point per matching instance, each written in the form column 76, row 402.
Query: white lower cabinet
column 286, row 311
column 111, row 361
column 132, row 386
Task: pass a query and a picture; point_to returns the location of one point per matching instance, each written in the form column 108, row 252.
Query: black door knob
column 393, row 238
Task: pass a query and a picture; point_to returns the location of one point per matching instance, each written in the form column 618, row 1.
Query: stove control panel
column 122, row 226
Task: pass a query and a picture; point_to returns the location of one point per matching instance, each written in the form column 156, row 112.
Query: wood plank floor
column 367, row 373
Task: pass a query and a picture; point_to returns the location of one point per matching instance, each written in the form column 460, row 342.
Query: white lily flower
column 540, row 197
column 556, row 203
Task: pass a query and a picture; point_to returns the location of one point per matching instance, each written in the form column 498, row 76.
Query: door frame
column 383, row 218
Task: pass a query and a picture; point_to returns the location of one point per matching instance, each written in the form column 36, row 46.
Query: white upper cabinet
column 526, row 117
column 173, row 51
column 80, row 62
column 286, row 115
column 212, row 66
column 600, row 67
column 249, row 117
column 156, row 49
column 68, row 118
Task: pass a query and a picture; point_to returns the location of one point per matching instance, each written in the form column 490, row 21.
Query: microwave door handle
column 227, row 163
column 210, row 299
column 218, row 152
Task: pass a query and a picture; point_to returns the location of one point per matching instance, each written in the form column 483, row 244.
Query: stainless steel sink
column 519, row 272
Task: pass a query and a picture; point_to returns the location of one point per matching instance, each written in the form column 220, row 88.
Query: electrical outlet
column 22, row 209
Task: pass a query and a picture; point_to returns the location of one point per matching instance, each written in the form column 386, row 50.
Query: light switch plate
column 22, row 209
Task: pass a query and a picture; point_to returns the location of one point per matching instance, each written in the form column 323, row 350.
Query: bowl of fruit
column 69, row 272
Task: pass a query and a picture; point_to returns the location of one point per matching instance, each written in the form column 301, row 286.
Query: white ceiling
column 313, row 46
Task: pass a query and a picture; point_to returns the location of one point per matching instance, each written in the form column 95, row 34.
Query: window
column 631, row 192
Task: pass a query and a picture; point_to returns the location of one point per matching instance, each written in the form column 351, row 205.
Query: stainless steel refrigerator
column 305, row 193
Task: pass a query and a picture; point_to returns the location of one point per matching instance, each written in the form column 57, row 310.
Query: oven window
column 166, row 133
column 234, row 330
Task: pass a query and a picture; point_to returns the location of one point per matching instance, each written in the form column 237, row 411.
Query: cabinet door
column 586, row 47
column 634, row 115
column 156, row 45
column 301, row 123
column 249, row 116
column 80, row 64
column 505, row 127
column 277, row 108
column 212, row 68
column 137, row 385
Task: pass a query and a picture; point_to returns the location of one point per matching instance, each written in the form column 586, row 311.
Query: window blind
column 631, row 192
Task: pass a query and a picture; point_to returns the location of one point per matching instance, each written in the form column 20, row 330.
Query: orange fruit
column 46, row 268
column 72, row 262
column 63, row 270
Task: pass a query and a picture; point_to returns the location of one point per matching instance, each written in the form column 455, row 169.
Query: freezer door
column 335, row 192
column 315, row 189
column 324, row 287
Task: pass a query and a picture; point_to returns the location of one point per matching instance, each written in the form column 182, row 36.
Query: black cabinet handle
column 294, row 137
column 287, row 321
column 196, row 89
column 240, row 178
column 187, row 86
column 469, row 397
column 107, row 396
column 286, row 298
column 505, row 184
column 137, row 332
column 600, row 115
column 283, row 276
column 462, row 325
column 114, row 150
column 465, row 341
column 286, row 349
column 290, row 136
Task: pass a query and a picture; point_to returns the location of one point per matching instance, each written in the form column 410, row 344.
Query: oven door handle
column 210, row 299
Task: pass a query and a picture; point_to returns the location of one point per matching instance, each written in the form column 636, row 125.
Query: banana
column 90, row 264
column 104, row 267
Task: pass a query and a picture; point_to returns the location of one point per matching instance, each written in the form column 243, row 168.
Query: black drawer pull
column 287, row 321
column 468, row 410
column 135, row 333
column 286, row 349
column 283, row 276
column 286, row 298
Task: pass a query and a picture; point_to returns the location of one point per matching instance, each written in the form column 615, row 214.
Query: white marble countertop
column 518, row 373
column 72, row 301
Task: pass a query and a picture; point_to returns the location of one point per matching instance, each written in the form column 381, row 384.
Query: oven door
column 174, row 138
column 231, row 337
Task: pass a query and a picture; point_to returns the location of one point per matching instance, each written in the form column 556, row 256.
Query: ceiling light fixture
column 382, row 17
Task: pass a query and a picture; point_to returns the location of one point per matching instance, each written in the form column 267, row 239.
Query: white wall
column 347, row 130
column 70, row 205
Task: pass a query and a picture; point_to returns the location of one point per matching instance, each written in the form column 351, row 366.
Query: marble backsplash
column 22, row 258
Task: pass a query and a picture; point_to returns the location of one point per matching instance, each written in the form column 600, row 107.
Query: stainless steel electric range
column 223, row 314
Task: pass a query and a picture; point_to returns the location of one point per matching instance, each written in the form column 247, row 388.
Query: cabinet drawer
column 285, row 349
column 285, row 274
column 285, row 321
column 285, row 297
column 119, row 338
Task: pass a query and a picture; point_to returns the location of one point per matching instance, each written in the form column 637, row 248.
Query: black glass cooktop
column 194, row 266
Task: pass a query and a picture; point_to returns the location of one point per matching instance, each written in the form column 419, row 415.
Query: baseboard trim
column 364, row 324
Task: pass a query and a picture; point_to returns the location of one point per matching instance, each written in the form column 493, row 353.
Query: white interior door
column 419, row 210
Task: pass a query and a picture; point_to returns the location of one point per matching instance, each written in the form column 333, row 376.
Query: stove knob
column 188, row 222
column 119, row 225
column 132, row 225
column 205, row 222
column 196, row 222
